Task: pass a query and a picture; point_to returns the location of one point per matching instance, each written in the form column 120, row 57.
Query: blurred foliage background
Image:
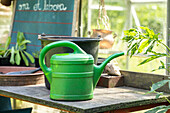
column 152, row 15
column 5, row 22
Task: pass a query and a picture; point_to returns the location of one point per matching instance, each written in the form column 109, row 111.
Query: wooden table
column 120, row 99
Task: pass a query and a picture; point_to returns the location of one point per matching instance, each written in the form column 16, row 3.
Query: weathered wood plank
column 143, row 80
column 105, row 99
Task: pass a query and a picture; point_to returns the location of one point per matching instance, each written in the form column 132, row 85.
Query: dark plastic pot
column 37, row 62
column 4, row 61
column 89, row 45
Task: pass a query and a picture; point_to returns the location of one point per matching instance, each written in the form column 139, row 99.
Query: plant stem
column 165, row 45
column 163, row 96
column 166, row 98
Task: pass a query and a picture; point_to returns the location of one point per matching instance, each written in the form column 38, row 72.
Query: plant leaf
column 163, row 111
column 133, row 49
column 30, row 57
column 17, row 57
column 156, row 36
column 24, row 42
column 20, row 37
column 159, row 84
column 155, row 109
column 130, row 48
column 162, row 63
column 169, row 84
column 149, row 59
column 150, row 47
column 2, row 52
column 23, row 45
column 7, row 53
column 12, row 61
column 7, row 43
column 24, row 58
column 155, row 53
column 143, row 45
column 160, row 67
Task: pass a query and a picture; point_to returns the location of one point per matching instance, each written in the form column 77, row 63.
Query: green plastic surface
column 72, row 58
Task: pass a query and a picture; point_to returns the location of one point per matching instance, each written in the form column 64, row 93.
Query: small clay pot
column 106, row 35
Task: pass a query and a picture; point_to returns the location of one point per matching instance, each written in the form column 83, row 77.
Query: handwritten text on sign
column 47, row 6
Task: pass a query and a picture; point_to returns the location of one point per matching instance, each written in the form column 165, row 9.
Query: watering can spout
column 99, row 69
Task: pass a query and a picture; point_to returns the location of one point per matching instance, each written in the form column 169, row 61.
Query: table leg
column 14, row 104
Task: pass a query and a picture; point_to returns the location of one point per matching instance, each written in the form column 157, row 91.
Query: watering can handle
column 45, row 69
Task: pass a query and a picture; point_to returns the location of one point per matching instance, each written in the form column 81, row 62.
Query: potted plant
column 103, row 28
column 144, row 42
column 17, row 53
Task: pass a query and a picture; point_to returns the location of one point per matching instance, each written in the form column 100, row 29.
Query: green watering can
column 72, row 76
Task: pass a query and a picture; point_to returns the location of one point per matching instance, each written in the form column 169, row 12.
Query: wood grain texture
column 144, row 80
column 105, row 99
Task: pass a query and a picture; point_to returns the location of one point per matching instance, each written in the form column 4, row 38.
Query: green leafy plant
column 154, row 87
column 18, row 52
column 3, row 50
column 144, row 42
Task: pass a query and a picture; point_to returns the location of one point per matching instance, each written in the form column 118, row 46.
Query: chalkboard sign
column 51, row 17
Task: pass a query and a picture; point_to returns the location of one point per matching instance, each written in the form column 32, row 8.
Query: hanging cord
column 99, row 15
column 102, row 16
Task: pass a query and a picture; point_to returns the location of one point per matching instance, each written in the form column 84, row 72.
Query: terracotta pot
column 20, row 79
column 106, row 35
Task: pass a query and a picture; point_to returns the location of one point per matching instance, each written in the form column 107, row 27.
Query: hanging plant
column 103, row 19
column 103, row 28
